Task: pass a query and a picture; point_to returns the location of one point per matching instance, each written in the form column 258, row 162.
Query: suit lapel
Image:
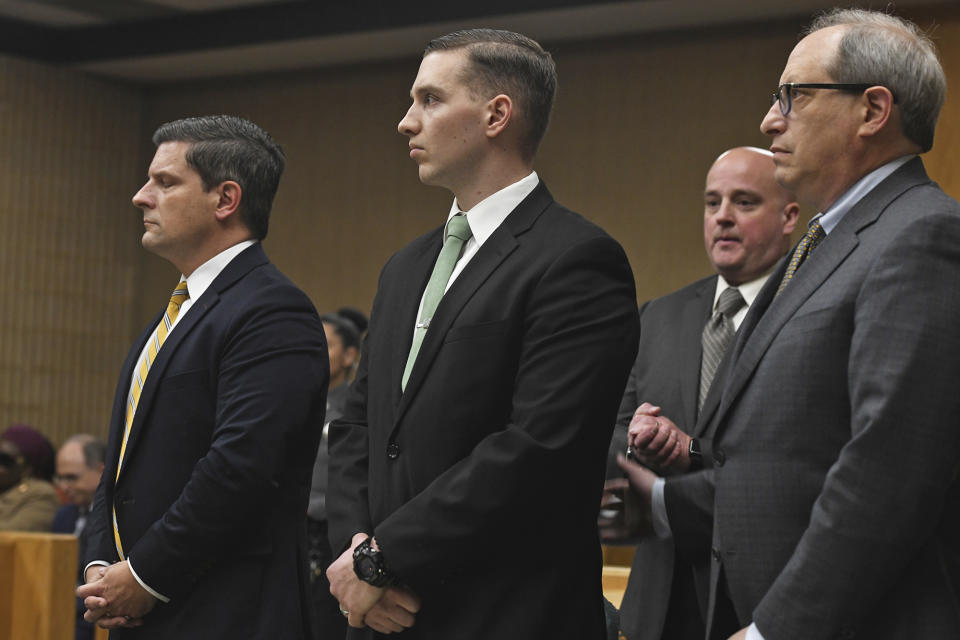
column 238, row 267
column 498, row 246
column 774, row 311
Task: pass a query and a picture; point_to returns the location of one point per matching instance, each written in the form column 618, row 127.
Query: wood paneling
column 67, row 245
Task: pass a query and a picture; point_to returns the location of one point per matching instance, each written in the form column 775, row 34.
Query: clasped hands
column 657, row 443
column 385, row 610
column 113, row 597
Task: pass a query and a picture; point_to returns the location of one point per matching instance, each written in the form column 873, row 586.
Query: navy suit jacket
column 212, row 494
column 481, row 481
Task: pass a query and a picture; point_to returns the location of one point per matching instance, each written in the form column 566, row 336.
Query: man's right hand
column 394, row 612
column 656, row 441
column 98, row 606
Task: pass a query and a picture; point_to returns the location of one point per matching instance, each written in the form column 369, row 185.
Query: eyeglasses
column 784, row 94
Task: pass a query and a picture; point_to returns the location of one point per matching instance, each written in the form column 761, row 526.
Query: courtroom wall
column 637, row 124
column 68, row 259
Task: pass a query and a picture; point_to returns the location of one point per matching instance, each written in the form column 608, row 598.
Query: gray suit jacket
column 667, row 373
column 836, row 510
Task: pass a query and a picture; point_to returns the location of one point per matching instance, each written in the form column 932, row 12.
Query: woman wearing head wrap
column 28, row 501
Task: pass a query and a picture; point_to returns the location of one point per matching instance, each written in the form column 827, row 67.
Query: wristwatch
column 371, row 567
column 695, row 455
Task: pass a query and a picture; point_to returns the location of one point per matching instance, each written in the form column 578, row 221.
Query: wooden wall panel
column 70, row 147
column 638, row 122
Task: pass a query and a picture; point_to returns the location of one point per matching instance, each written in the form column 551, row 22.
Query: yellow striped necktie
column 159, row 336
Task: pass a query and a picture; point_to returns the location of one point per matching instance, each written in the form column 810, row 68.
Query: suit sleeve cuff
column 155, row 594
column 658, row 509
column 753, row 633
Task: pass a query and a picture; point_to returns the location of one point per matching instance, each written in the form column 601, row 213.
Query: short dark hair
column 344, row 328
column 509, row 63
column 231, row 148
column 882, row 48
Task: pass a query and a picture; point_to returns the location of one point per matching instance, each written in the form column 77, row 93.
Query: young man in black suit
column 466, row 469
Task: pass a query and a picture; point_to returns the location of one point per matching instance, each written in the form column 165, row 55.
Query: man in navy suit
column 466, row 468
column 198, row 526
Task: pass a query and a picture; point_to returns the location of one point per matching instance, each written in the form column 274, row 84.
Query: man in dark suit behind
column 466, row 470
column 198, row 527
column 837, row 507
column 747, row 222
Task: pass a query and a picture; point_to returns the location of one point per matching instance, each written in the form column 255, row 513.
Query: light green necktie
column 458, row 232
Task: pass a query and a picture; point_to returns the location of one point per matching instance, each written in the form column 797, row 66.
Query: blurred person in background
column 343, row 349
column 28, row 500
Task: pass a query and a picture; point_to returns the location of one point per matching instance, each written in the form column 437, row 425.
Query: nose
column 773, row 122
column 408, row 125
column 141, row 198
column 724, row 213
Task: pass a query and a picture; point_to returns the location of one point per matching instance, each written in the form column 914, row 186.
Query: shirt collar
column 204, row 275
column 832, row 216
column 489, row 213
column 748, row 290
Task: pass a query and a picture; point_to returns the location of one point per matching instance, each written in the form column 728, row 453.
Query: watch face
column 367, row 568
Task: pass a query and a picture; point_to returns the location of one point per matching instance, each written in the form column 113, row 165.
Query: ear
column 878, row 107
column 228, row 199
column 791, row 213
column 498, row 114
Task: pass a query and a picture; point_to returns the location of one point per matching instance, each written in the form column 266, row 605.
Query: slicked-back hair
column 231, row 148
column 882, row 48
column 512, row 64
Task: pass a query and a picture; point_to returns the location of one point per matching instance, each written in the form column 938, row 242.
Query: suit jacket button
column 847, row 634
column 393, row 451
column 715, row 553
column 719, row 457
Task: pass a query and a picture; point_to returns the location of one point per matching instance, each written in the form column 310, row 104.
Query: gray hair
column 94, row 450
column 882, row 48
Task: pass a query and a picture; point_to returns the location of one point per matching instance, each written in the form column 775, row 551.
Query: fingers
column 115, row 622
column 404, row 599
column 647, row 409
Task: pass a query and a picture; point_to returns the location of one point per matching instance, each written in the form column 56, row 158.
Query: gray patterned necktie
column 458, row 232
column 717, row 335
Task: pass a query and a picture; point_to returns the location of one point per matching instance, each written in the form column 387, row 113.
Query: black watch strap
column 695, row 455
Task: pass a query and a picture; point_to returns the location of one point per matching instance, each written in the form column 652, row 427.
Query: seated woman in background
column 28, row 500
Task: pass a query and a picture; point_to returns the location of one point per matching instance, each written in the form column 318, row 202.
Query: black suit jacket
column 482, row 480
column 212, row 494
column 838, row 506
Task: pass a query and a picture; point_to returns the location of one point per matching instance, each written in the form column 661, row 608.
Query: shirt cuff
column 753, row 633
column 658, row 509
column 95, row 563
column 143, row 584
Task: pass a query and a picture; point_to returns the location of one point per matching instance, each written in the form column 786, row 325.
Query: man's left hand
column 740, row 635
column 355, row 596
column 116, row 599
